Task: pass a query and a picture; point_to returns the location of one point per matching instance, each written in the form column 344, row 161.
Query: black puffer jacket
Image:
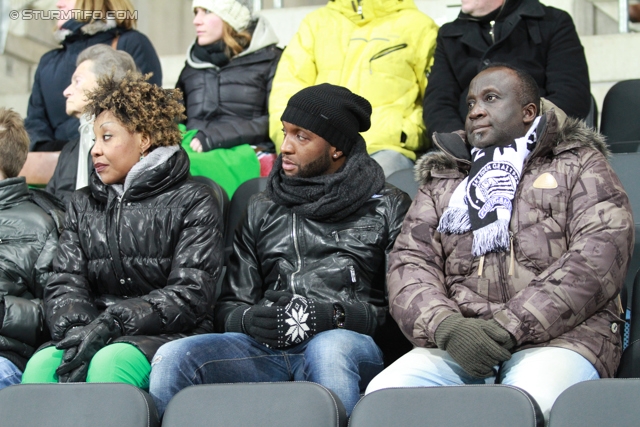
column 539, row 39
column 329, row 262
column 47, row 121
column 229, row 104
column 155, row 251
column 28, row 243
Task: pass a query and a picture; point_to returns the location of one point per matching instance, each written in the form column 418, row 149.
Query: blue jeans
column 9, row 373
column 341, row 360
column 543, row 372
column 392, row 161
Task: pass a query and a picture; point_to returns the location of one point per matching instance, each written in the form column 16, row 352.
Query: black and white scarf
column 482, row 202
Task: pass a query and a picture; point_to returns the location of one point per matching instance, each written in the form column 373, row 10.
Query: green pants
column 119, row 363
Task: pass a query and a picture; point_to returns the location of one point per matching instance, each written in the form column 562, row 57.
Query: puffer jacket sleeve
column 591, row 272
column 231, row 131
column 418, row 298
column 68, row 299
column 413, row 136
column 243, row 284
column 296, row 70
column 189, row 294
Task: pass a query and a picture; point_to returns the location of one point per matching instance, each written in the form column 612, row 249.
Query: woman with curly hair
column 141, row 248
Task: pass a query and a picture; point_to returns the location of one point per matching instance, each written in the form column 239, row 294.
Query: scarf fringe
column 455, row 221
column 491, row 238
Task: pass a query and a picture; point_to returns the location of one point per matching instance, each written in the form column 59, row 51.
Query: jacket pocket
column 460, row 260
column 384, row 52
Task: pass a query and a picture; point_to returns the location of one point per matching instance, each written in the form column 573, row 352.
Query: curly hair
column 141, row 107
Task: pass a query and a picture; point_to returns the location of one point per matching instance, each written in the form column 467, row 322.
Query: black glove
column 280, row 326
column 82, row 343
column 278, row 298
column 477, row 345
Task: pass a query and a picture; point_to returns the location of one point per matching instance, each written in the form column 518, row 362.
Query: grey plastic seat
column 454, row 406
column 619, row 112
column 405, row 180
column 282, row 404
column 76, row 405
column 604, row 402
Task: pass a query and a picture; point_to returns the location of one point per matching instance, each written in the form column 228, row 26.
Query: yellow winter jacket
column 379, row 49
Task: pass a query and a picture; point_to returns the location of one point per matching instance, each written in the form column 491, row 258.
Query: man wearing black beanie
column 305, row 294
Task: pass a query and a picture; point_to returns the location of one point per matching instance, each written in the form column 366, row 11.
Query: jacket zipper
column 385, row 52
column 503, row 284
column 491, row 32
column 294, row 236
column 354, row 280
column 117, row 261
column 24, row 239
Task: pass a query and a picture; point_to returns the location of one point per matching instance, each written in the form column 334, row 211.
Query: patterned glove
column 301, row 319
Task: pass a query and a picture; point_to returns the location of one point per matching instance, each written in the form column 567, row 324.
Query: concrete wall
column 168, row 23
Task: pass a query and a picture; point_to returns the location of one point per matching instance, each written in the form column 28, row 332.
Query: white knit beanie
column 236, row 13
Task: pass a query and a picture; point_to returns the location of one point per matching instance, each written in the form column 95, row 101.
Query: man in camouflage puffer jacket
column 542, row 311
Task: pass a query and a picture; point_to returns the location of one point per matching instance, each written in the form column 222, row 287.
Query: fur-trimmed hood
column 555, row 137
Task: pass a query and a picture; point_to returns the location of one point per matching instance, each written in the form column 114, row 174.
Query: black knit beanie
column 332, row 112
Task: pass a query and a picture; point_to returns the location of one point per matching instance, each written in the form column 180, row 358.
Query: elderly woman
column 141, row 250
column 74, row 165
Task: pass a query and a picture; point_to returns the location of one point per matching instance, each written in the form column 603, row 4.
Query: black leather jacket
column 28, row 243
column 330, row 262
column 155, row 253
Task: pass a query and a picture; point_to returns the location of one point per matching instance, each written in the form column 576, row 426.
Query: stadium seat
column 604, row 402
column 630, row 362
column 454, row 406
column 626, row 167
column 405, row 180
column 283, row 404
column 76, row 405
column 237, row 208
column 592, row 118
column 619, row 112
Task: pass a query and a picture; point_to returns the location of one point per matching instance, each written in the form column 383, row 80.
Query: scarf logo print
column 493, row 187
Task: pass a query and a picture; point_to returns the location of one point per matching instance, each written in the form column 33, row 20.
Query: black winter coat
column 63, row 182
column 342, row 262
column 154, row 253
column 229, row 104
column 539, row 39
column 28, row 243
column 47, row 120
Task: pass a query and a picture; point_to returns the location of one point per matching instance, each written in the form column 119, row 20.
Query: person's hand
column 82, row 343
column 477, row 345
column 261, row 322
column 278, row 298
column 196, row 145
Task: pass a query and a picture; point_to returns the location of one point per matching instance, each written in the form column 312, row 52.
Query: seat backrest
column 238, row 206
column 592, row 117
column 39, row 167
column 626, row 167
column 455, row 406
column 284, row 404
column 619, row 112
column 405, row 180
column 624, row 146
column 76, row 405
column 603, row 402
column 221, row 196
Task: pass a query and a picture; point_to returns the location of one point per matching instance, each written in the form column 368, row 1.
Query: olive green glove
column 477, row 345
